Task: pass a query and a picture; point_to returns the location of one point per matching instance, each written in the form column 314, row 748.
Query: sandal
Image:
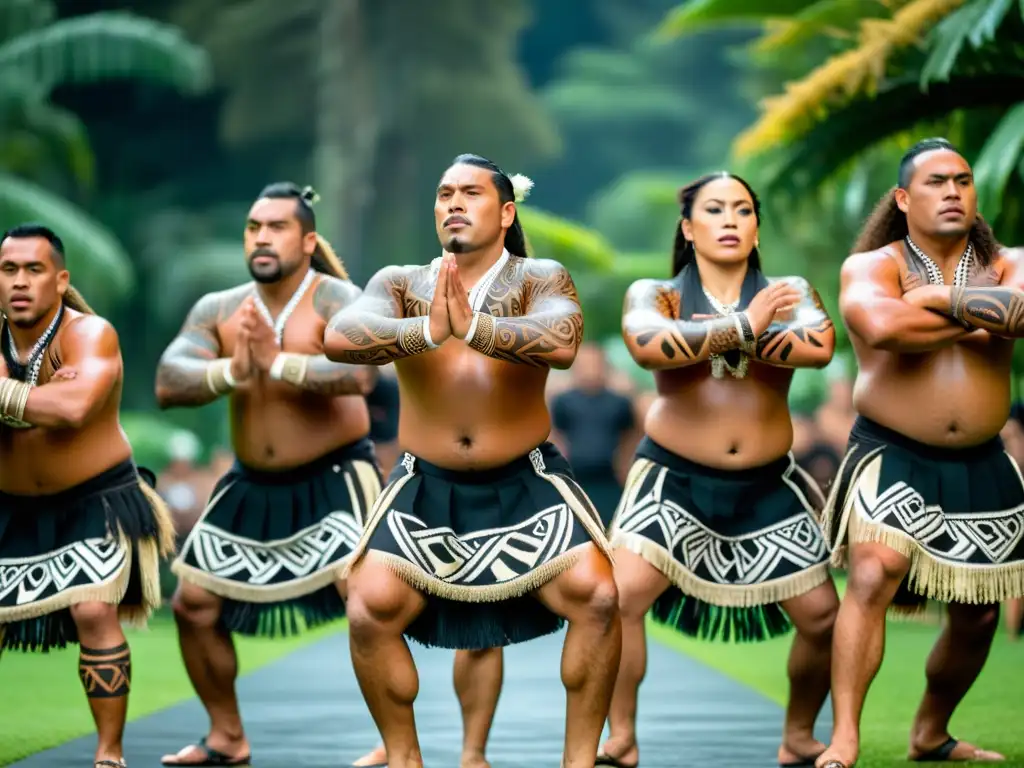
column 213, row 758
column 110, row 764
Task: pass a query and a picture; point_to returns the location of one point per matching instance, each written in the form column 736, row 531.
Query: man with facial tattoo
column 82, row 531
column 928, row 505
column 481, row 538
column 717, row 528
column 267, row 553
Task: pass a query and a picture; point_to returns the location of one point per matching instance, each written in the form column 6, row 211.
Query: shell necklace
column 963, row 267
column 719, row 364
column 34, row 363
column 293, row 302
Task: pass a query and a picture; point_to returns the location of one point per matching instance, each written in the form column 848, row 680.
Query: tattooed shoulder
column 547, row 277
column 203, row 322
column 332, row 295
column 661, row 296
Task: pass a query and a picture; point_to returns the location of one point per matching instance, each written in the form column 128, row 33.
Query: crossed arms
column 192, row 372
column 90, row 348
column 391, row 320
column 875, row 307
column 657, row 340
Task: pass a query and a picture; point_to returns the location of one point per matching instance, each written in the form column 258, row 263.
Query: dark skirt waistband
column 485, row 476
column 124, row 474
column 358, row 450
column 867, row 431
column 648, row 449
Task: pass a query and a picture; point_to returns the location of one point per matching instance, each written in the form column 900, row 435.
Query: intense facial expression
column 275, row 246
column 32, row 283
column 940, row 199
column 722, row 225
column 468, row 212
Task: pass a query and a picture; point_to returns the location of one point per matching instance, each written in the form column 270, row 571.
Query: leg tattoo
column 106, row 673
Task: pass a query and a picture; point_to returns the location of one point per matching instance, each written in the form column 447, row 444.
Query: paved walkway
column 305, row 711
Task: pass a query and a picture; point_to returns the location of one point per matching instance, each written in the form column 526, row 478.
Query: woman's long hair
column 888, row 224
column 683, row 252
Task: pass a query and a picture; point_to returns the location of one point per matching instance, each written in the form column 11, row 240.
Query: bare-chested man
column 717, row 527
column 81, row 535
column 481, row 538
column 281, row 523
column 927, row 505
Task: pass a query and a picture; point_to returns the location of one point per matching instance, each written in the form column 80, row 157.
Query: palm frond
column 696, row 15
column 842, row 77
column 100, row 267
column 571, row 244
column 38, row 138
column 975, row 23
column 997, row 160
column 102, row 46
column 835, row 18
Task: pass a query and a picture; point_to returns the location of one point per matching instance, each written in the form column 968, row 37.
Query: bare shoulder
column 398, row 278
column 542, row 269
column 661, row 296
column 881, row 263
column 89, row 334
column 548, row 277
column 216, row 307
column 332, row 294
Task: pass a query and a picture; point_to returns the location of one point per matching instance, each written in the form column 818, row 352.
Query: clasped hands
column 450, row 311
column 255, row 346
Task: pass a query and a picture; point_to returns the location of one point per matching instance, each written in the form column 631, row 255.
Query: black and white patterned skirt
column 732, row 543
column 99, row 541
column 957, row 514
column 478, row 543
column 273, row 544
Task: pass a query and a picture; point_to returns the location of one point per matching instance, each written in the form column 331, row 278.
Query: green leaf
column 696, row 15
column 823, row 17
column 102, row 46
column 100, row 267
column 947, row 41
column 985, row 29
column 996, row 161
column 567, row 242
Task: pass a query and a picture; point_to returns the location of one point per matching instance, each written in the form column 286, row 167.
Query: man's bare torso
column 953, row 397
column 461, row 409
column 40, row 461
column 275, row 425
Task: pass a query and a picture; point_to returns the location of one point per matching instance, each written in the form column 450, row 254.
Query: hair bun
column 521, row 186
column 309, row 195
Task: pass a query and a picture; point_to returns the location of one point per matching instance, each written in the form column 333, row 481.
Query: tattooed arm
column 373, row 330
column 658, row 341
column 808, row 340
column 548, row 334
column 181, row 375
column 316, row 373
column 998, row 308
column 872, row 306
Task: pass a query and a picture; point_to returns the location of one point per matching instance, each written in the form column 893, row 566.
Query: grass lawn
column 992, row 714
column 43, row 704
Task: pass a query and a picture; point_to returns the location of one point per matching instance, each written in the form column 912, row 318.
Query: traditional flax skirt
column 99, row 541
column 957, row 514
column 272, row 544
column 733, row 543
column 477, row 543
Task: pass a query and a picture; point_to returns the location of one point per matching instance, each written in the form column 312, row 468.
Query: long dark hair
column 888, row 224
column 683, row 252
column 515, row 238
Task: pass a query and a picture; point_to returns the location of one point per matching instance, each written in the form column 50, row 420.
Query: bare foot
column 838, row 756
column 377, row 756
column 232, row 753
column 626, row 754
column 956, row 751
column 798, row 750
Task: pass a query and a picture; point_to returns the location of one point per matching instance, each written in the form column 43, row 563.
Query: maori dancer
column 82, row 531
column 280, row 524
column 481, row 538
column 717, row 528
column 927, row 505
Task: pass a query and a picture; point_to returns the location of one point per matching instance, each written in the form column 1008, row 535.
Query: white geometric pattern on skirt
column 496, row 554
column 995, row 534
column 748, row 559
column 228, row 556
column 84, row 563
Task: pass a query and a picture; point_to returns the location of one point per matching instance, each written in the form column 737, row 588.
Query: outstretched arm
column 872, row 305
column 90, row 346
column 190, row 369
column 315, row 373
column 547, row 335
column 657, row 341
column 372, row 330
column 807, row 340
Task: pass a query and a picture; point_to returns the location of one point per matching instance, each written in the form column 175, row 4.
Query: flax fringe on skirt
column 99, row 541
column 956, row 514
column 733, row 543
column 477, row 543
column 273, row 544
